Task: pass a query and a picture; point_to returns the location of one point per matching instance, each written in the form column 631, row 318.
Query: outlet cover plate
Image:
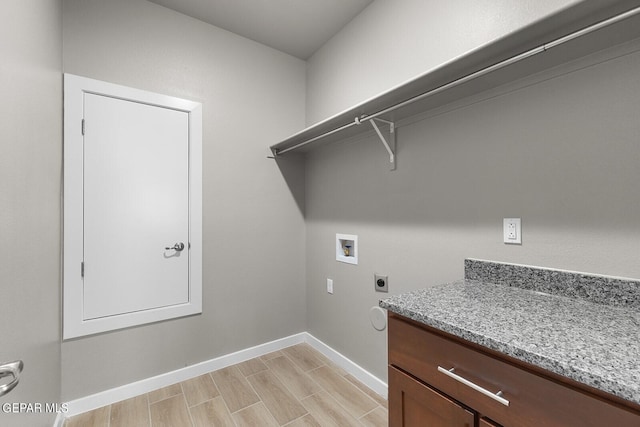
column 381, row 283
column 512, row 231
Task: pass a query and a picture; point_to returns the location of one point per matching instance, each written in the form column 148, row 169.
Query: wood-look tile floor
column 293, row 387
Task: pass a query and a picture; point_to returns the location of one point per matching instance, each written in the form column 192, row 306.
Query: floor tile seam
column 302, row 368
column 288, row 388
column 252, row 375
column 360, row 386
column 248, row 360
column 265, row 407
column 203, row 402
column 224, row 400
column 206, row 400
column 378, row 406
column 146, row 397
column 292, row 360
column 149, row 409
column 324, row 360
column 296, row 419
column 322, row 391
column 164, row 398
column 296, row 398
column 359, row 389
column 249, row 406
column 262, row 401
column 189, row 412
column 307, row 372
column 216, row 386
column 315, row 369
column 329, row 392
column 318, row 384
column 241, row 377
column 280, row 353
column 186, row 404
column 336, row 403
column 254, row 392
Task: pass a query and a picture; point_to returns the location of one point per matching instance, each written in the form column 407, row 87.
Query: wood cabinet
column 420, row 405
column 436, row 379
column 484, row 422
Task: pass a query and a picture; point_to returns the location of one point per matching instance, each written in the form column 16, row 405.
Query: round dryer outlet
column 378, row 318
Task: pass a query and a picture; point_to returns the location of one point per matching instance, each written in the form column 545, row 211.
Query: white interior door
column 136, row 204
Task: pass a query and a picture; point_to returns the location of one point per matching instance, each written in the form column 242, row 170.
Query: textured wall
column 30, row 170
column 253, row 252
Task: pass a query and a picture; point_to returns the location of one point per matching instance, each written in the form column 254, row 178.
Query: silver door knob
column 177, row 247
column 12, row 370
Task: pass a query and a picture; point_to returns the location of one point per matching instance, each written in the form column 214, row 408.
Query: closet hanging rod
column 491, row 68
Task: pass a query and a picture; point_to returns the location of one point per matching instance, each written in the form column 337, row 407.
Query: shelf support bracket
column 389, row 144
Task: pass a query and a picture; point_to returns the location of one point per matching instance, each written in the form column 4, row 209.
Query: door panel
column 136, row 203
column 486, row 422
column 413, row 404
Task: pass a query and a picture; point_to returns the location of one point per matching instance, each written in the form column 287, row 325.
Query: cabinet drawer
column 533, row 400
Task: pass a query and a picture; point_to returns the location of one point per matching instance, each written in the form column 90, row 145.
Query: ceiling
column 297, row 27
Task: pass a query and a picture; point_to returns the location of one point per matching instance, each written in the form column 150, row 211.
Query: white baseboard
column 108, row 397
column 361, row 374
column 59, row 421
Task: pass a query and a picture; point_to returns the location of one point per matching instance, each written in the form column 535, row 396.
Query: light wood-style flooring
column 293, row 387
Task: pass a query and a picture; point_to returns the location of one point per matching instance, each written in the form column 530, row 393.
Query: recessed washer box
column 347, row 248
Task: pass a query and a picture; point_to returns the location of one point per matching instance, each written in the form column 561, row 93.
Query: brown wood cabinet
column 437, row 379
column 420, row 405
column 484, row 422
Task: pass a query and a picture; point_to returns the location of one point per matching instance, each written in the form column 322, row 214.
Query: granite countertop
column 593, row 343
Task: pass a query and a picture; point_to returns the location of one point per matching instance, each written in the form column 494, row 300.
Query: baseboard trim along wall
column 361, row 374
column 108, row 397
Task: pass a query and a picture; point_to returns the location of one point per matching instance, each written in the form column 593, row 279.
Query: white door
column 136, row 204
column 132, row 207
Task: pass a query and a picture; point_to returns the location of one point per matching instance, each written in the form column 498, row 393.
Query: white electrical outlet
column 330, row 286
column 512, row 231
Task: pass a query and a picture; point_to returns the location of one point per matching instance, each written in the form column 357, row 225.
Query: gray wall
column 559, row 150
column 30, row 168
column 391, row 42
column 252, row 96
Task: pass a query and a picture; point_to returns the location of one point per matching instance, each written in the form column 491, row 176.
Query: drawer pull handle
column 495, row 396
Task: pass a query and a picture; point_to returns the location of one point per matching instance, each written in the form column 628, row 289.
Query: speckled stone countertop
column 594, row 343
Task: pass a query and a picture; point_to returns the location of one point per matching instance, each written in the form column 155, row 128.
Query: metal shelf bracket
column 389, row 144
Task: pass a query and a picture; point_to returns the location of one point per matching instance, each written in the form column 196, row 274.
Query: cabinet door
column 413, row 404
column 485, row 422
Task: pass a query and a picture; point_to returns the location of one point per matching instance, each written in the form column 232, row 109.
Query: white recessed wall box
column 347, row 248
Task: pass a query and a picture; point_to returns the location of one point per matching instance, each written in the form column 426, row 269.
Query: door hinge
column 82, row 269
column 83, row 126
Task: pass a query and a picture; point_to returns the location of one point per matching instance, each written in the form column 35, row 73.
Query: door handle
column 11, row 369
column 495, row 396
column 178, row 247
